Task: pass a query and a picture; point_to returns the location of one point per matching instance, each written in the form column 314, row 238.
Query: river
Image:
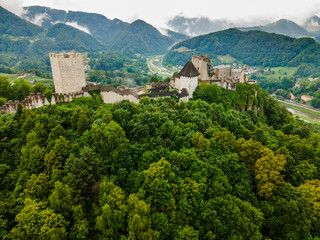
column 308, row 115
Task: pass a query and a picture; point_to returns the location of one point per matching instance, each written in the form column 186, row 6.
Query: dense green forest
column 226, row 165
column 254, row 48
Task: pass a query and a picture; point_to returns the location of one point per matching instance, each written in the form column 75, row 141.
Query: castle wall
column 114, row 97
column 222, row 72
column 67, row 72
column 39, row 100
column 202, row 64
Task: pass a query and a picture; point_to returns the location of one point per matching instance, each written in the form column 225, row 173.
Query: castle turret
column 187, row 78
column 67, row 72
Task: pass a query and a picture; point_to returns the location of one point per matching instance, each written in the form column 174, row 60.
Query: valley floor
column 303, row 111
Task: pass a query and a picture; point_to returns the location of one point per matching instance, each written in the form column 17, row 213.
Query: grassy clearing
column 226, row 59
column 307, row 119
column 11, row 77
column 182, row 49
column 310, row 112
column 281, row 72
column 301, row 109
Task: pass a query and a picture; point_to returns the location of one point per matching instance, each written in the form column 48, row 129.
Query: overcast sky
column 158, row 12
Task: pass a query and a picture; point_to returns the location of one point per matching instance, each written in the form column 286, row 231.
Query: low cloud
column 39, row 18
column 164, row 31
column 76, row 25
column 14, row 6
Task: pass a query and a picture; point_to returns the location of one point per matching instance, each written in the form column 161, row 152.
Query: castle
column 69, row 81
column 223, row 75
column 199, row 70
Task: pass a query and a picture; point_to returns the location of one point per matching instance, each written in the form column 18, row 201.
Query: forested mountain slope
column 254, row 48
column 137, row 37
column 13, row 25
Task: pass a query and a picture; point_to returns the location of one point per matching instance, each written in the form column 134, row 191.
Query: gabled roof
column 189, row 70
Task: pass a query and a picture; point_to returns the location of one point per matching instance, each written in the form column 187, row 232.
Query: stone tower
column 203, row 64
column 67, row 72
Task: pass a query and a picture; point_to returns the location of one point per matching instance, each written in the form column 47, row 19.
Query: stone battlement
column 39, row 100
column 65, row 55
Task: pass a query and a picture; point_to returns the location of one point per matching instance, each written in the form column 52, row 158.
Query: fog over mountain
column 204, row 25
column 312, row 24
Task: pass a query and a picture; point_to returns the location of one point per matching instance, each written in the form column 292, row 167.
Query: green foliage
column 160, row 169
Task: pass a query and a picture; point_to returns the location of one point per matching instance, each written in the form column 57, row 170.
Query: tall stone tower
column 203, row 64
column 67, row 72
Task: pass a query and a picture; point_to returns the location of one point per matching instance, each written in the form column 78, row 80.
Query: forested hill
column 255, row 48
column 71, row 38
column 13, row 25
column 138, row 37
column 160, row 170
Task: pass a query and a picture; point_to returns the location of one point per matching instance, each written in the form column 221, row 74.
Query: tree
column 155, row 79
column 61, row 199
column 249, row 151
column 82, row 174
column 37, row 222
column 230, row 218
column 40, row 88
column 311, row 192
column 38, row 187
column 3, row 101
column 186, row 233
column 201, row 144
column 268, row 173
column 33, row 159
column 287, row 215
column 139, row 220
column 5, row 88
column 107, row 138
column 111, row 221
column 21, row 89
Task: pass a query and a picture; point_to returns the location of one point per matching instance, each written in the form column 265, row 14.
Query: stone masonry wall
column 67, row 72
column 39, row 100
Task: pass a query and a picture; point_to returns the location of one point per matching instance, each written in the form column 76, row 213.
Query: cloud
column 164, row 31
column 38, row 18
column 14, row 6
column 76, row 25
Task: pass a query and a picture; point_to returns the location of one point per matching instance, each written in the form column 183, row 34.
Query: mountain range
column 284, row 27
column 203, row 25
column 128, row 38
